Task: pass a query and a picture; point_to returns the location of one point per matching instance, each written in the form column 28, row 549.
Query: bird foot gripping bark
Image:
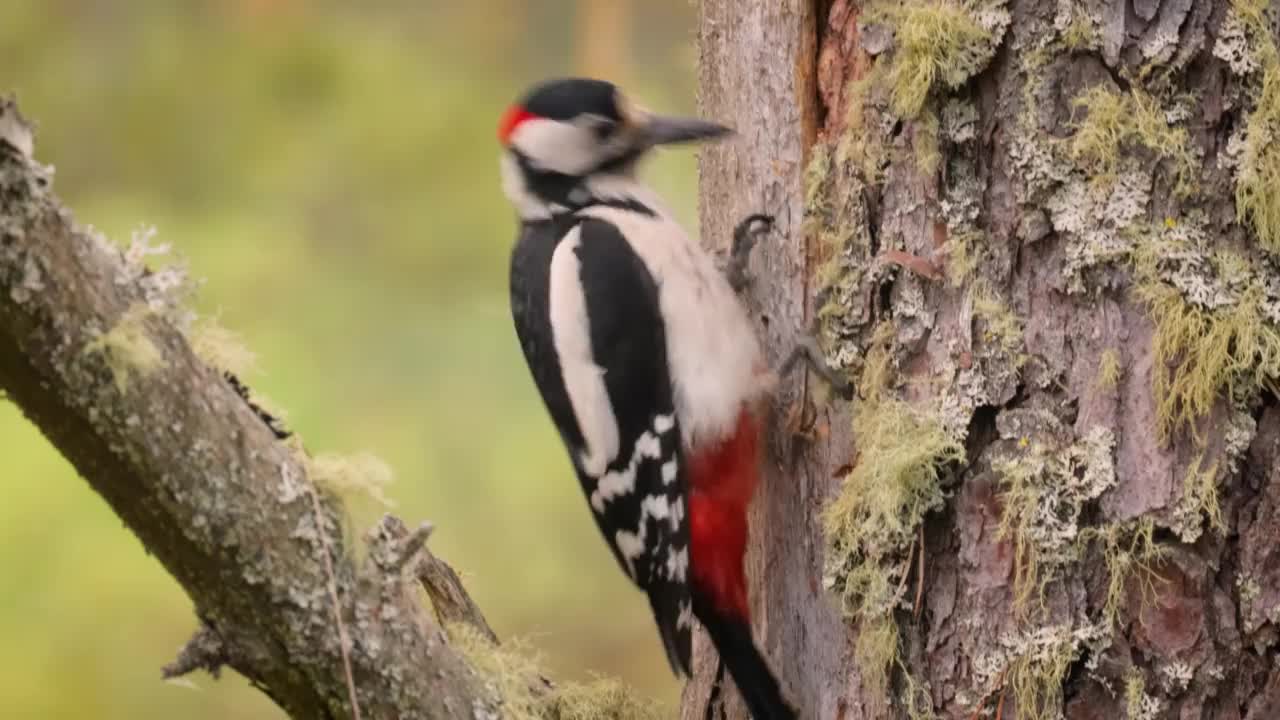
column 805, row 348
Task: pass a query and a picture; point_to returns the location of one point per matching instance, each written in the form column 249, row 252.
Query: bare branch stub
column 395, row 548
column 204, row 651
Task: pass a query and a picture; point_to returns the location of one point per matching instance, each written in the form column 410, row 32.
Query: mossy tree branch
column 200, row 479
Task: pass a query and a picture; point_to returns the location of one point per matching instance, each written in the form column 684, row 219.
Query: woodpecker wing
column 587, row 313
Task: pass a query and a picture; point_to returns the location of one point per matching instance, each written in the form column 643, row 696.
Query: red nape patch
column 511, row 120
column 722, row 479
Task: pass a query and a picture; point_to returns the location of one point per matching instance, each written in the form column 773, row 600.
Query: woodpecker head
column 566, row 136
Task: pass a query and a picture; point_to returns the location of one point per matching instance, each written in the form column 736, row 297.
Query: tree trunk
column 1042, row 238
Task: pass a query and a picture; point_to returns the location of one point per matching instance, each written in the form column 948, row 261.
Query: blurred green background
column 330, row 169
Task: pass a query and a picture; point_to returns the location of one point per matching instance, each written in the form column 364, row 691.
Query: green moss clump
column 1116, row 123
column 512, row 673
column 126, row 348
column 1201, row 352
column 936, row 43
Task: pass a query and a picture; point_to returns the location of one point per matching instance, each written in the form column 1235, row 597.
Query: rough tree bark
column 91, row 353
column 1041, row 235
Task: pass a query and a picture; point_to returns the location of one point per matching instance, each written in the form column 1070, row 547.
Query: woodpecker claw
column 745, row 236
column 806, row 349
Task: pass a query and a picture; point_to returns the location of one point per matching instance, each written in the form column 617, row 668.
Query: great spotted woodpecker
column 646, row 360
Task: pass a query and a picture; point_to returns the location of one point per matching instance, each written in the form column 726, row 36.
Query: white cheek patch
column 557, row 146
column 583, row 378
column 528, row 205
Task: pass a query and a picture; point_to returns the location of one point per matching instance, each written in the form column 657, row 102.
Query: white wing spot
column 669, row 471
column 664, row 423
column 656, row 507
column 631, row 545
column 623, row 482
column 677, row 564
column 677, row 514
column 583, row 378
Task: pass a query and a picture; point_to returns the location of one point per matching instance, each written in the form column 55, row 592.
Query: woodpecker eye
column 603, row 127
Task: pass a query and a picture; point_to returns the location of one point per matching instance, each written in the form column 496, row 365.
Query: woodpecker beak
column 659, row 130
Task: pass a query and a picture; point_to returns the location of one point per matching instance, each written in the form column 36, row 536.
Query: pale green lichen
column 936, row 44
column 1033, row 665
column 221, row 348
column 962, row 250
column 925, row 143
column 961, row 207
column 1109, row 369
column 1217, row 323
column 1000, row 326
column 1138, row 703
column 1100, row 222
column 1239, row 42
column 1200, row 353
column 816, row 175
column 1117, row 123
column 872, row 523
column 517, row 688
column 126, row 348
column 876, row 652
column 1045, row 484
column 1130, row 553
column 362, row 474
column 1247, row 44
column 1257, row 202
column 1078, row 29
column 1198, row 502
column 862, row 144
column 1175, row 676
column 835, row 215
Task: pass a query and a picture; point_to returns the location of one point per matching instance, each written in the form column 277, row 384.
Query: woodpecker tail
column 750, row 671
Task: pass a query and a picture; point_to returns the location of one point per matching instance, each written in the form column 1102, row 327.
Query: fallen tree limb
column 89, row 354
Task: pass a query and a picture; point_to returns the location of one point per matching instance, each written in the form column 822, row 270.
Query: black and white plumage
column 612, row 368
column 645, row 358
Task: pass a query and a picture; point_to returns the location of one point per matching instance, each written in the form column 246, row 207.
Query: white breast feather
column 712, row 349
